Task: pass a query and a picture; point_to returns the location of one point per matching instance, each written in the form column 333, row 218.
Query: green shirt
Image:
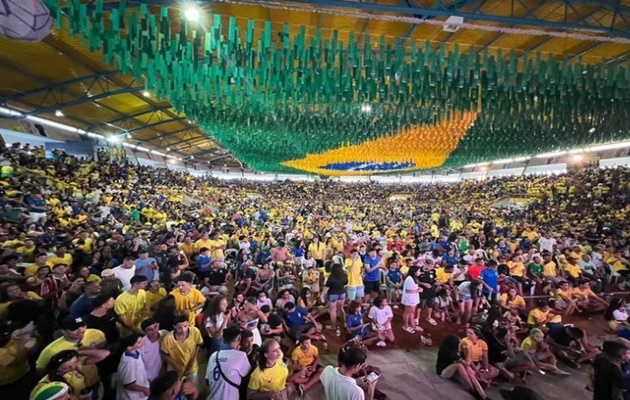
column 535, row 269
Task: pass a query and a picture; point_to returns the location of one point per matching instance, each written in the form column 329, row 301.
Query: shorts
column 372, row 286
column 336, row 297
column 355, row 291
column 296, row 332
column 428, row 302
column 465, row 297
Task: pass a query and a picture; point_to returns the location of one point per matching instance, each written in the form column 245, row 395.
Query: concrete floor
column 410, row 374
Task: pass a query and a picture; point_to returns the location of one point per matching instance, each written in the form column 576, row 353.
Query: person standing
column 133, row 383
column 226, row 368
column 150, row 350
column 372, row 274
column 188, row 299
column 607, row 374
column 180, row 347
column 131, row 306
column 125, row 271
column 339, row 383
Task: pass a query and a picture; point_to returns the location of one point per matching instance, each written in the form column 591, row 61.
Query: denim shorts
column 335, row 297
column 355, row 291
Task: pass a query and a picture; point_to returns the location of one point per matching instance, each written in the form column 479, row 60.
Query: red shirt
column 475, row 270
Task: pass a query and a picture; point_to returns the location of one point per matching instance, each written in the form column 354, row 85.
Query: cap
column 107, row 272
column 70, row 323
column 138, row 279
column 520, row 393
column 50, row 391
column 93, row 278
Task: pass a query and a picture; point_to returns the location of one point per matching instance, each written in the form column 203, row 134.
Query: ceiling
column 97, row 91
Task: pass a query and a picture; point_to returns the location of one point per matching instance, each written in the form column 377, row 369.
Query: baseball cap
column 70, row 323
column 107, row 272
column 50, row 391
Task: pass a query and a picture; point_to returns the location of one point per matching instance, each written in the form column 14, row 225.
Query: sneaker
column 381, row 344
column 409, row 329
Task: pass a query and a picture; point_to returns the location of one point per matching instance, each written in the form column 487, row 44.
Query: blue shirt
column 394, row 275
column 143, row 267
column 354, row 320
column 375, row 275
column 36, row 203
column 82, row 306
column 490, row 278
column 450, row 260
column 295, row 318
column 201, row 260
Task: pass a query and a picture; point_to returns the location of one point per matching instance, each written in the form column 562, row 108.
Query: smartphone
column 372, row 377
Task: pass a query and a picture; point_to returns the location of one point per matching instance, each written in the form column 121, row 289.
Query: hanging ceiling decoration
column 287, row 102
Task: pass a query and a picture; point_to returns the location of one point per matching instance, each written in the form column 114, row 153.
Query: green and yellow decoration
column 283, row 101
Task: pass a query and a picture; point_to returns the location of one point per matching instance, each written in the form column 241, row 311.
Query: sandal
column 431, row 321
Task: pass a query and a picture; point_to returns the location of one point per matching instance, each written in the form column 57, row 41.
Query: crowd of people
column 116, row 280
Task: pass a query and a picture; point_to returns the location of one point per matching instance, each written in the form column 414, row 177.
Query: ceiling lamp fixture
column 366, row 108
column 58, row 113
column 146, row 93
column 192, row 13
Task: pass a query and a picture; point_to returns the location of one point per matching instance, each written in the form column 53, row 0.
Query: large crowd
column 116, row 280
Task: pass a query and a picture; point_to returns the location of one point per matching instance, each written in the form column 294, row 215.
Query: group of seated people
column 113, row 287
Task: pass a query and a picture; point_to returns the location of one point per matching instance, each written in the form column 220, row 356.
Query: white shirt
column 234, row 365
column 410, row 299
column 151, row 356
column 381, row 316
column 217, row 324
column 340, row 387
column 131, row 370
column 124, row 275
column 620, row 315
column 547, row 244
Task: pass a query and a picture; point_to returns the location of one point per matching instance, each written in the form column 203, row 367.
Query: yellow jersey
column 270, row 379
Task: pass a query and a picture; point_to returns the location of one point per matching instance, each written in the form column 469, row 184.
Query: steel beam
column 55, row 86
column 127, row 117
column 166, row 121
column 458, row 5
column 171, row 134
column 86, row 99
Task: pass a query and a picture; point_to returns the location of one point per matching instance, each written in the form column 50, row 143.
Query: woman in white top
column 307, row 261
column 215, row 320
column 410, row 299
column 617, row 315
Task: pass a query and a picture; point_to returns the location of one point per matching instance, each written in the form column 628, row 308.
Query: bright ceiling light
column 168, row 149
column 592, row 130
column 58, row 113
column 577, row 157
column 366, row 108
column 192, row 157
column 113, row 139
column 146, row 93
column 192, row 13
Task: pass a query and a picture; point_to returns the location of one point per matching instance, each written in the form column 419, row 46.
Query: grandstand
column 435, row 190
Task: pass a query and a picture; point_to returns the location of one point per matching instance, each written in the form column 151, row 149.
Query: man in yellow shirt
column 61, row 257
column 217, row 246
column 40, row 261
column 203, row 241
column 89, row 343
column 188, row 299
column 27, row 250
column 131, row 306
column 305, row 365
column 180, row 347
